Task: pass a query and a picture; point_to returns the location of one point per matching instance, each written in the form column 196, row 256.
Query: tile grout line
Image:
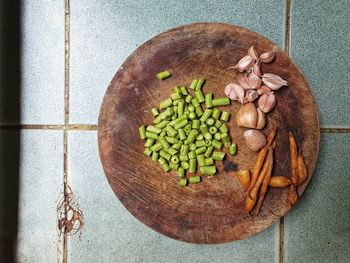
column 68, row 127
column 66, row 118
column 287, row 38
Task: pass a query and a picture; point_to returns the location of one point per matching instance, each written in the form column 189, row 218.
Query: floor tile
column 318, row 229
column 112, row 234
column 35, row 62
column 320, row 45
column 40, row 182
column 104, row 34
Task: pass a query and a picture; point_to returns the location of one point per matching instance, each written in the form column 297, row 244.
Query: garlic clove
column 247, row 115
column 254, row 139
column 273, row 81
column 254, row 81
column 239, row 91
column 257, row 69
column 253, row 53
column 244, row 63
column 228, row 89
column 267, row 102
column 232, row 95
column 244, row 82
column 263, row 89
column 261, row 120
column 251, row 95
column 267, row 57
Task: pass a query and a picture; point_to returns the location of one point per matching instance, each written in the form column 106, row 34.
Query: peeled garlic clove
column 263, row 89
column 261, row 120
column 254, row 139
column 273, row 81
column 267, row 57
column 239, row 92
column 251, row 95
column 253, row 53
column 257, row 69
column 267, row 102
column 244, row 63
column 228, row 89
column 247, row 116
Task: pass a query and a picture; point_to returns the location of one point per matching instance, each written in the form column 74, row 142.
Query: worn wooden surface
column 213, row 211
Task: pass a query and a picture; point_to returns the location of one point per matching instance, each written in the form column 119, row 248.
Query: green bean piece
column 216, row 144
column 195, row 102
column 200, row 84
column 177, row 90
column 148, row 151
column 151, row 135
column 225, row 116
column 179, row 119
column 199, row 96
column 177, row 146
column 155, row 156
column 193, row 84
column 162, row 124
column 171, row 140
column 192, row 115
column 183, row 182
column 210, row 121
column 184, row 91
column 195, row 179
column 170, row 131
column 218, row 124
column 196, row 124
column 199, row 111
column 208, row 143
column 176, row 102
column 149, row 142
column 166, row 167
column 200, row 137
column 164, row 143
column 174, row 166
column 164, row 154
column 208, row 100
column 187, row 129
column 193, row 147
column 190, row 108
column 174, row 159
column 209, row 151
column 208, row 170
column 200, row 150
column 183, row 158
column 185, row 165
column 192, row 136
column 142, row 131
column 163, row 133
column 153, row 129
column 193, row 166
column 184, row 150
column 216, row 114
column 223, row 128
column 217, row 135
column 159, row 118
column 157, row 147
column 213, row 131
column 189, row 98
column 191, row 155
column 171, row 151
column 218, row 156
column 175, row 96
column 163, row 75
column 224, row 137
column 233, row 148
column 207, row 113
column 182, row 134
column 221, row 102
column 181, row 172
column 180, row 108
column 165, row 103
column 155, row 111
column 200, row 144
column 201, row 160
column 180, row 124
column 204, row 129
column 161, row 160
column 227, row 144
column 209, row 161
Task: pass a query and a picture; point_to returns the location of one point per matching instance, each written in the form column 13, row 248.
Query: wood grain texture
column 213, row 211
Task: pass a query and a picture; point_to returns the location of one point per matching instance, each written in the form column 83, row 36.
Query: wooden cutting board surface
column 212, row 211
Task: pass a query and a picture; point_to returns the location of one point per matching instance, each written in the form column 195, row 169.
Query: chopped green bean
column 193, row 166
column 159, row 118
column 207, row 113
column 221, row 102
column 217, row 135
column 192, row 154
column 171, row 151
column 209, row 161
column 193, row 147
column 149, row 142
column 195, row 102
column 200, row 144
column 192, row 115
column 155, row 111
column 225, row 116
column 193, row 84
column 170, row 131
column 181, row 172
column 155, row 156
column 180, row 124
column 174, row 166
column 191, row 108
column 192, row 136
column 161, row 160
column 164, row 143
column 187, row 129
column 184, row 91
column 208, row 170
column 210, row 121
column 227, row 144
column 223, row 128
column 180, row 108
column 157, row 147
column 174, row 159
column 151, row 135
column 199, row 111
column 171, row 140
column 163, row 75
column 218, row 124
column 200, row 150
column 208, row 100
column 165, row 103
column 216, row 114
column 216, row 144
column 218, row 156
column 201, row 160
column 185, row 165
column 195, row 179
column 183, row 182
column 182, row 134
column 142, row 131
column 184, row 149
column 199, row 137
column 207, row 143
column 196, row 124
column 153, row 129
column 164, row 154
column 189, row 98
column 213, row 131
column 225, row 138
column 162, row 124
column 148, row 151
column 200, row 83
column 199, row 96
column 166, row 167
column 177, row 90
column 175, row 96
column 209, row 151
column 204, row 129
column 177, row 146
column 233, row 149
column 183, row 158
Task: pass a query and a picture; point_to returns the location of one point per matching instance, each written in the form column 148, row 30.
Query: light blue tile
column 112, row 234
column 40, row 62
column 104, row 34
column 318, row 228
column 321, row 47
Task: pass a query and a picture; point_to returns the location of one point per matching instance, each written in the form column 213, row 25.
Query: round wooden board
column 212, row 211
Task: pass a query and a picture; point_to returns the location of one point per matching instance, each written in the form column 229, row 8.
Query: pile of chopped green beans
column 184, row 136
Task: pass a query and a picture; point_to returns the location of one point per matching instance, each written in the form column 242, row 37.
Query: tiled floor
column 102, row 36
